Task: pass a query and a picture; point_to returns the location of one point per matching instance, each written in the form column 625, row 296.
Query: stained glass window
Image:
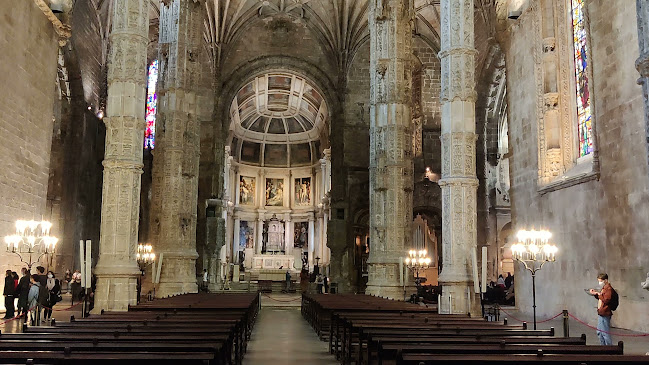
column 151, row 106
column 584, row 118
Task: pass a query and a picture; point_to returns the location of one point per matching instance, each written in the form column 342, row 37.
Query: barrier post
column 566, row 324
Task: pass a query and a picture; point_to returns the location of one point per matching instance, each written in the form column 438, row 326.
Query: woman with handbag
column 54, row 295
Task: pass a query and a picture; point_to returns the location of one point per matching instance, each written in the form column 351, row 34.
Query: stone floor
column 62, row 312
column 282, row 336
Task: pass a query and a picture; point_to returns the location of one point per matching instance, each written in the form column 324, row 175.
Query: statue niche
column 275, row 242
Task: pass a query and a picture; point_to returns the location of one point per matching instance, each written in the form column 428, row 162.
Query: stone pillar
column 288, row 235
column 391, row 164
column 236, row 241
column 642, row 63
column 311, row 243
column 260, row 234
column 459, row 182
column 176, row 159
column 117, row 270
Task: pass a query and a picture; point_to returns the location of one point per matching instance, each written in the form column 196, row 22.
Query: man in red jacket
column 604, row 312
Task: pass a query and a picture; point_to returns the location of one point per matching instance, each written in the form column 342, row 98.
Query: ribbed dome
column 277, row 119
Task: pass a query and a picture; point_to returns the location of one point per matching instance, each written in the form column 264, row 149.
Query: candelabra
column 145, row 256
column 534, row 250
column 31, row 238
column 417, row 261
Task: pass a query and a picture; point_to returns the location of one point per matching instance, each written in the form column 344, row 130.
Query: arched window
column 584, row 118
column 151, row 105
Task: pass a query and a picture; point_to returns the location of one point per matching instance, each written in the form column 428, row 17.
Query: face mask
column 601, row 283
column 49, row 276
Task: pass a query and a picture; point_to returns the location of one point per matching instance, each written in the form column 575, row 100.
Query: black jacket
column 23, row 290
column 10, row 288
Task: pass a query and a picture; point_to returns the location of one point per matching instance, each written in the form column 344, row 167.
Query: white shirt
column 205, row 276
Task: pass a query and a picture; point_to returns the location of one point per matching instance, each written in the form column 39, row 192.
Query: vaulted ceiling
column 341, row 26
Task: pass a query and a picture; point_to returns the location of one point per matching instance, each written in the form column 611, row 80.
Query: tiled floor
column 282, row 336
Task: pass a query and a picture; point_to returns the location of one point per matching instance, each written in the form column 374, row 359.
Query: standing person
column 76, row 286
column 67, row 278
column 23, row 292
column 9, row 292
column 288, row 281
column 44, row 293
column 606, row 304
column 319, row 282
column 205, row 277
column 326, row 284
column 53, row 295
column 14, row 276
column 32, row 300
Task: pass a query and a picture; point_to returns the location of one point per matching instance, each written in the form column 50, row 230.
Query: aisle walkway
column 282, row 336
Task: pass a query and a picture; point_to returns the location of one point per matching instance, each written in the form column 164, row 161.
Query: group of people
column 33, row 293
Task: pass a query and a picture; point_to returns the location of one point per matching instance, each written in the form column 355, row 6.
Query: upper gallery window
column 584, row 117
column 151, row 105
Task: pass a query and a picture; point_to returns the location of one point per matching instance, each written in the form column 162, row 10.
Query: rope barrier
column 610, row 333
column 34, row 307
column 282, row 301
column 21, row 315
column 580, row 321
column 537, row 322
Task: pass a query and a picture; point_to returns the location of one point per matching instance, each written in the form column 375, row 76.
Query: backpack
column 615, row 300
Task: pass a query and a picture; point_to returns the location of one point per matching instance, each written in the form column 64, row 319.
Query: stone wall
column 27, row 76
column 598, row 225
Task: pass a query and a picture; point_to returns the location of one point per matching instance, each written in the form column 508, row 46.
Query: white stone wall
column 598, row 225
column 27, row 74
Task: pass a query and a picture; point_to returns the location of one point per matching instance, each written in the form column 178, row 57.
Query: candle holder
column 417, row 261
column 145, row 256
column 534, row 250
column 31, row 238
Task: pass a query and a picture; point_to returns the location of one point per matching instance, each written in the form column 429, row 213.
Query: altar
column 268, row 262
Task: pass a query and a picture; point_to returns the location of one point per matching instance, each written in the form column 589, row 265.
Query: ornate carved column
column 459, row 183
column 642, row 63
column 236, row 242
column 391, row 164
column 177, row 154
column 117, row 270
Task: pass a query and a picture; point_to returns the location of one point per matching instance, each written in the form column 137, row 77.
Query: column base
column 178, row 274
column 115, row 293
column 459, row 298
column 170, row 289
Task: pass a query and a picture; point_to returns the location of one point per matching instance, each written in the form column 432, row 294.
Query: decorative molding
column 64, row 31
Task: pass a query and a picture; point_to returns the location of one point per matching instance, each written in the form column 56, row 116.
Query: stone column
column 311, row 243
column 236, row 241
column 642, row 63
column 288, row 235
column 459, row 182
column 260, row 234
column 117, row 270
column 176, row 159
column 391, row 164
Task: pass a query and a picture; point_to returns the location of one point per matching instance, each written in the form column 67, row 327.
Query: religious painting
column 246, row 190
column 303, row 191
column 301, row 234
column 275, row 192
column 246, row 235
